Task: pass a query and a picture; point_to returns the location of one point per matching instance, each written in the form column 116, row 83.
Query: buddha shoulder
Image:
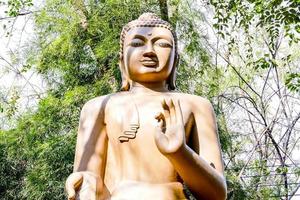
column 95, row 106
column 197, row 103
column 102, row 104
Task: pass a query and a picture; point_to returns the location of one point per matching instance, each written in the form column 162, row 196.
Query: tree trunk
column 163, row 5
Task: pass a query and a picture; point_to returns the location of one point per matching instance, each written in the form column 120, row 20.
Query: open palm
column 170, row 134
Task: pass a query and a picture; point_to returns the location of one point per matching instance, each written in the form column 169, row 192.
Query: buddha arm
column 91, row 147
column 205, row 181
column 91, row 139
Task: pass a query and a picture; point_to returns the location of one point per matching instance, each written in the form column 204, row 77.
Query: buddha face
column 148, row 54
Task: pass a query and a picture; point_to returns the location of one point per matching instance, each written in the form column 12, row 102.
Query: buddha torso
column 137, row 163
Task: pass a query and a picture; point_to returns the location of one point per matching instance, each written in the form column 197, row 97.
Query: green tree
column 262, row 85
column 77, row 53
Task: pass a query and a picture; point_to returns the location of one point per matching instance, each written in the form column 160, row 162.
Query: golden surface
column 142, row 143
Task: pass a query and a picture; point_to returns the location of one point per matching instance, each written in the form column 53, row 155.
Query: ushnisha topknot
column 146, row 20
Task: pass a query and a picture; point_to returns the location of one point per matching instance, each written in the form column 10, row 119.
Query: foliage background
column 242, row 55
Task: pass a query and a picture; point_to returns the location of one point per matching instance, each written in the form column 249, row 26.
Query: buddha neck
column 148, row 88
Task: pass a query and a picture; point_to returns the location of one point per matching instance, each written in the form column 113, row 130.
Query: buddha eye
column 136, row 43
column 164, row 44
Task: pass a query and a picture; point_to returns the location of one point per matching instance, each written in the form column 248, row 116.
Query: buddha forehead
column 149, row 33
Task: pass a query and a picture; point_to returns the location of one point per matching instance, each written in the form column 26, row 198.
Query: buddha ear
column 172, row 77
column 125, row 80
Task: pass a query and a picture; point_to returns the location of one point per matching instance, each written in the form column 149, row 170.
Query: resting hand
column 170, row 134
column 85, row 186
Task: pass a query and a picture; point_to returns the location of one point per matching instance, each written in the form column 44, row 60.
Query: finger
column 73, row 182
column 71, row 193
column 161, row 120
column 166, row 112
column 164, row 104
column 178, row 111
column 172, row 112
column 159, row 116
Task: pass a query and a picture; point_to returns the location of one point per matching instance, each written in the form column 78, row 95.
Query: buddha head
column 148, row 51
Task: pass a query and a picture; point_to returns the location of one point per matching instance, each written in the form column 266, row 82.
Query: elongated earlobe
column 125, row 85
column 125, row 80
column 172, row 78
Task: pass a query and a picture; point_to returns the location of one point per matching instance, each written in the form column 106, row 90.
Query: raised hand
column 170, row 134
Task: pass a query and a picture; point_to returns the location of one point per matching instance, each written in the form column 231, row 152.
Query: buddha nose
column 149, row 51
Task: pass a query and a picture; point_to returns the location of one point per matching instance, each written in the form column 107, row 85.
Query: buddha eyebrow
column 142, row 37
column 138, row 37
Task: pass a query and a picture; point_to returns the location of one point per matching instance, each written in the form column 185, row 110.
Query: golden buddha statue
column 147, row 141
